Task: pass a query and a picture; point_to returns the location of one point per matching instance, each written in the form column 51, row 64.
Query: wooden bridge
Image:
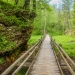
column 46, row 57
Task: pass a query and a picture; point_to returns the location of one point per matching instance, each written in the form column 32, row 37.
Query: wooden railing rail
column 63, row 56
column 31, row 52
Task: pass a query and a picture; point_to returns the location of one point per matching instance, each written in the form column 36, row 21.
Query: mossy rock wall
column 15, row 29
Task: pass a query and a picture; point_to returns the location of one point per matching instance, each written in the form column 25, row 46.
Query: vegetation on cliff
column 15, row 29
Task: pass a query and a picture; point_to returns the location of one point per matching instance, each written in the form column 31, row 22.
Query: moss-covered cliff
column 15, row 30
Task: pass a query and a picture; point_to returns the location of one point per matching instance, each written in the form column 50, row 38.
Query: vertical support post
column 37, row 48
column 59, row 58
column 51, row 40
column 33, row 55
column 41, row 39
column 60, row 54
column 45, row 24
column 53, row 43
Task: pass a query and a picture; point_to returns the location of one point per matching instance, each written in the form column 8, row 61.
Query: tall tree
column 27, row 5
column 33, row 11
column 16, row 2
column 74, row 12
column 67, row 6
column 34, row 5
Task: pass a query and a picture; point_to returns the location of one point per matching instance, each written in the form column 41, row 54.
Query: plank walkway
column 45, row 63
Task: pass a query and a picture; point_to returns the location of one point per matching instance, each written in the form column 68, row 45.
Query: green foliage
column 22, row 71
column 6, row 5
column 7, row 19
column 3, row 42
column 63, row 38
column 12, row 20
column 2, row 60
column 5, row 45
column 20, row 2
column 9, row 1
column 53, row 27
column 73, row 21
column 34, row 39
column 68, row 44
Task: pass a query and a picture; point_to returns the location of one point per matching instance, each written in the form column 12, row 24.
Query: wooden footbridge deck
column 45, row 63
column 41, row 59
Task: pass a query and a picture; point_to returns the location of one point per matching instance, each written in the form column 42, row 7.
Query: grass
column 34, row 39
column 68, row 44
column 22, row 71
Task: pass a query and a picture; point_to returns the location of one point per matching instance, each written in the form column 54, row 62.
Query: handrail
column 65, row 57
column 9, row 69
column 69, row 59
column 20, row 66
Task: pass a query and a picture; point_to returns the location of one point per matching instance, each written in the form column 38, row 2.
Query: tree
column 74, row 12
column 27, row 5
column 16, row 2
column 66, row 7
column 34, row 5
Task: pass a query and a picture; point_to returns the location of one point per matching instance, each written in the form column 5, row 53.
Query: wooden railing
column 62, row 56
column 30, row 54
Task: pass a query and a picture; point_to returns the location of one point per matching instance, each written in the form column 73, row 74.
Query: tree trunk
column 33, row 12
column 27, row 5
column 34, row 5
column 16, row 2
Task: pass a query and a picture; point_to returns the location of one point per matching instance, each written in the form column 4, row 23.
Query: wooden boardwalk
column 45, row 63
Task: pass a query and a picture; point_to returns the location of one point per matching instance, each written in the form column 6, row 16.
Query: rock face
column 12, row 37
column 15, row 30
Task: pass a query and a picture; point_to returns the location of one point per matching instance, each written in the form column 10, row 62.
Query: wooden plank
column 45, row 63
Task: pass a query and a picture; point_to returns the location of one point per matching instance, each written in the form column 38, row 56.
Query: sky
column 56, row 2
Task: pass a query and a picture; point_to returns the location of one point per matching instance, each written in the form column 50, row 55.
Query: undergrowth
column 34, row 39
column 68, row 44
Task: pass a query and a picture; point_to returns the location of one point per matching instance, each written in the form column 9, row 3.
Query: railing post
column 51, row 42
column 60, row 55
column 33, row 55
